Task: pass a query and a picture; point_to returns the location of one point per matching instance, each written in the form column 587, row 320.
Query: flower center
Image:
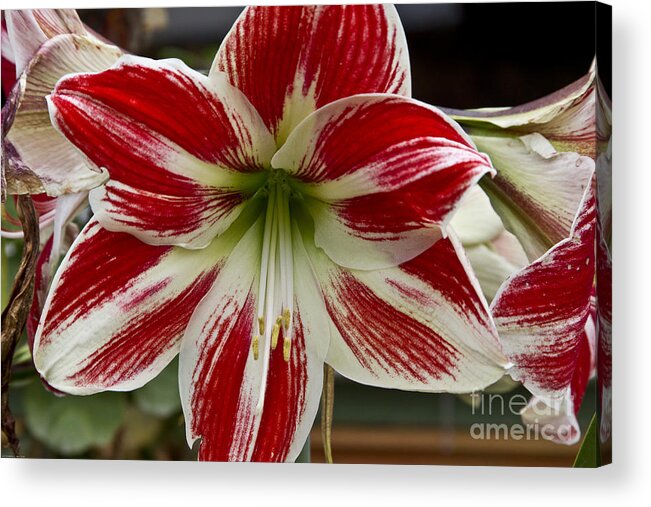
column 276, row 286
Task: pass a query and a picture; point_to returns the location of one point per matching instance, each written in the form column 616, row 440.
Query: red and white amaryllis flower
column 284, row 211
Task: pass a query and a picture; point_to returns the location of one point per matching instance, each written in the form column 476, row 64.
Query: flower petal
column 475, row 221
column 421, row 326
column 221, row 381
column 184, row 152
column 556, row 417
column 380, row 174
column 566, row 117
column 118, row 308
column 8, row 74
column 491, row 268
column 605, row 336
column 53, row 249
column 39, row 159
column 41, row 280
column 541, row 312
column 289, row 61
column 537, row 191
column 28, row 29
column 293, row 389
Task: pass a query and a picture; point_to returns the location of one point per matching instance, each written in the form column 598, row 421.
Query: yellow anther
column 261, row 325
column 287, row 346
column 256, row 347
column 275, row 332
column 286, row 317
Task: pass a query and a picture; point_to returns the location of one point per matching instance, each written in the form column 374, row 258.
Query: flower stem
column 15, row 314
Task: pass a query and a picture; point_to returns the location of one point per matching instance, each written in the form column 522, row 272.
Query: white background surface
column 627, row 482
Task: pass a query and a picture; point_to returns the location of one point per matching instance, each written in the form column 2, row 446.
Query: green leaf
column 588, row 455
column 71, row 425
column 160, row 397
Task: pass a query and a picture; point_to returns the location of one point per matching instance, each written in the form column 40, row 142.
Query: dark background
column 462, row 55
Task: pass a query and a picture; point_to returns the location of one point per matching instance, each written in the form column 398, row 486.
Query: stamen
column 256, row 347
column 289, row 270
column 275, row 332
column 264, row 264
column 286, row 316
column 276, row 286
column 287, row 345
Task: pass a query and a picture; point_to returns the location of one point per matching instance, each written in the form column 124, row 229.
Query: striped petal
column 541, row 312
column 557, row 417
column 118, row 308
column 537, row 190
column 421, row 326
column 289, row 61
column 183, row 152
column 293, row 390
column 28, row 29
column 58, row 242
column 38, row 158
column 566, row 117
column 380, row 175
column 240, row 411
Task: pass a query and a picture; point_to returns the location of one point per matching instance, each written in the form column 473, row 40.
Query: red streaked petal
column 218, row 377
column 175, row 143
column 206, row 117
column 381, row 173
column 221, row 381
column 64, row 209
column 118, row 308
column 294, row 388
column 423, row 325
column 191, row 221
column 289, row 61
column 557, row 417
column 541, row 312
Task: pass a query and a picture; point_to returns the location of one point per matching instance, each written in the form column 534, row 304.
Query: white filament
column 276, row 285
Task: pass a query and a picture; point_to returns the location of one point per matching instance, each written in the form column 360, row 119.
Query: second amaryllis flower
column 285, row 211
